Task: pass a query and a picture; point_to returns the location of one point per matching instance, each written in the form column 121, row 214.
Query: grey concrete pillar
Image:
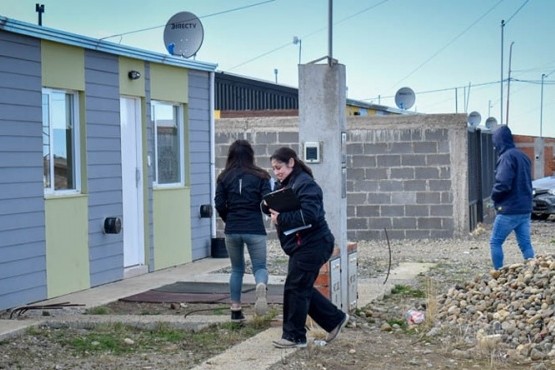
column 322, row 130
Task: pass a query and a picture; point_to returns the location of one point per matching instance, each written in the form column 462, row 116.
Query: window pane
column 168, row 143
column 58, row 140
column 46, row 141
column 62, row 132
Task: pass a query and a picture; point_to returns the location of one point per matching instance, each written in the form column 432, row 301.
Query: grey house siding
column 199, row 159
column 151, row 170
column 23, row 244
column 103, row 165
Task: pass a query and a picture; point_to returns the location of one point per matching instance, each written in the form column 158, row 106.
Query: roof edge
column 51, row 34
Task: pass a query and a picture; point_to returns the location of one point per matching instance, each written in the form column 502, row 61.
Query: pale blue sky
column 428, row 45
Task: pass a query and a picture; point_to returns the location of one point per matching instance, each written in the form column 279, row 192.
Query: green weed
column 407, row 291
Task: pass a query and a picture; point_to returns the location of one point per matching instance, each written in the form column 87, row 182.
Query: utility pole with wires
column 501, row 80
column 509, row 81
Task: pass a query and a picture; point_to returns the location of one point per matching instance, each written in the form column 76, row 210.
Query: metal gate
column 481, row 173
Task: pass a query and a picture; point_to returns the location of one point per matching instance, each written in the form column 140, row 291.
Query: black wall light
column 206, row 211
column 134, row 75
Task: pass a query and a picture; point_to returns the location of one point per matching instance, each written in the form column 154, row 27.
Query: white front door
column 132, row 182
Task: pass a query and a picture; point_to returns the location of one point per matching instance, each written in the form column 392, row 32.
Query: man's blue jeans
column 502, row 227
column 256, row 246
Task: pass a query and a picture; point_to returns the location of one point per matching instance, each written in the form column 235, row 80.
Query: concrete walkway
column 254, row 353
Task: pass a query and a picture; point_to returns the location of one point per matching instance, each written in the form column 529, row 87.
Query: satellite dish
column 183, row 35
column 404, row 98
column 491, row 123
column 474, row 119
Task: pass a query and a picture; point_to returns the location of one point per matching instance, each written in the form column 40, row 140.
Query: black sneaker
column 237, row 315
column 286, row 343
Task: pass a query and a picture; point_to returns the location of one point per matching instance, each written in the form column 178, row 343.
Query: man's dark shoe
column 335, row 332
column 286, row 343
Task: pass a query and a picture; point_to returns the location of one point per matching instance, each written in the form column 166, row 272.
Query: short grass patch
column 407, row 291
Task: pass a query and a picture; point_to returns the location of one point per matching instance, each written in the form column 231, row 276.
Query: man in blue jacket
column 511, row 196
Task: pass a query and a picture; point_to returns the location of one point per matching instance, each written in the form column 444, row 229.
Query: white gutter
column 212, row 154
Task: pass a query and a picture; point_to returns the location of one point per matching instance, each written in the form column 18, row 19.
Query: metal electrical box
column 335, row 281
column 312, row 152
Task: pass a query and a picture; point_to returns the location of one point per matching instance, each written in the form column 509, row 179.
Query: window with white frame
column 60, row 141
column 168, row 141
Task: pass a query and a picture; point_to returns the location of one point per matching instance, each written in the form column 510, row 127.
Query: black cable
column 389, row 249
column 204, row 309
column 203, row 17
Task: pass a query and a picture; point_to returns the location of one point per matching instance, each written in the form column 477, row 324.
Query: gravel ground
column 377, row 336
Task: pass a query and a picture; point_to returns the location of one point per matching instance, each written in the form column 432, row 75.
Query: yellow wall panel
column 128, row 86
column 172, row 227
column 63, row 66
column 67, row 245
column 168, row 83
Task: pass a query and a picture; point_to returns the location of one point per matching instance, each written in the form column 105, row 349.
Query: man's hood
column 502, row 139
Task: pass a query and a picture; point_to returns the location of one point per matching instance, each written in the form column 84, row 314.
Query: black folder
column 282, row 200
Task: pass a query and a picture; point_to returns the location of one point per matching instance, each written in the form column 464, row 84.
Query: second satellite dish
column 474, row 119
column 491, row 122
column 183, row 35
column 404, row 98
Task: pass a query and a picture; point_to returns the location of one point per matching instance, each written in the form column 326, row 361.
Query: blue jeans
column 502, row 227
column 256, row 246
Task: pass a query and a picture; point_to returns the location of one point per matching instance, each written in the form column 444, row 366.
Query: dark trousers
column 300, row 298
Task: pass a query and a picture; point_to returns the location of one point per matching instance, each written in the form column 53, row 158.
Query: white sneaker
column 261, row 303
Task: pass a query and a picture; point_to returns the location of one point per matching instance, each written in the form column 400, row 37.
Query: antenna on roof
column 39, row 8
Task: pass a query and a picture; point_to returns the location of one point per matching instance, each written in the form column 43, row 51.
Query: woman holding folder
column 305, row 237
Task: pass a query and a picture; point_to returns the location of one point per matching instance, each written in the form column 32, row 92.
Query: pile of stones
column 513, row 308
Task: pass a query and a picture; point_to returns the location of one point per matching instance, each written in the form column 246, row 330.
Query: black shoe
column 237, row 315
column 286, row 343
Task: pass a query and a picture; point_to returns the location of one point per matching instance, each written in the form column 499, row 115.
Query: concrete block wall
column 405, row 174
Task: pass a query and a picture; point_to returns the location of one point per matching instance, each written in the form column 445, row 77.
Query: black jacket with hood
column 512, row 190
column 311, row 213
column 237, row 200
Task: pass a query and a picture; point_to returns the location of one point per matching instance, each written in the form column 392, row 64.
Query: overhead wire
column 448, row 44
column 310, row 34
column 201, row 17
column 516, row 12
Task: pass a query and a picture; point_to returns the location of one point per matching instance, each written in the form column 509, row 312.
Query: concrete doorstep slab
column 255, row 353
column 13, row 328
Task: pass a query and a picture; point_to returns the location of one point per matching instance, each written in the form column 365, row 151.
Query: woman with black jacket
column 306, row 238
column 239, row 191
